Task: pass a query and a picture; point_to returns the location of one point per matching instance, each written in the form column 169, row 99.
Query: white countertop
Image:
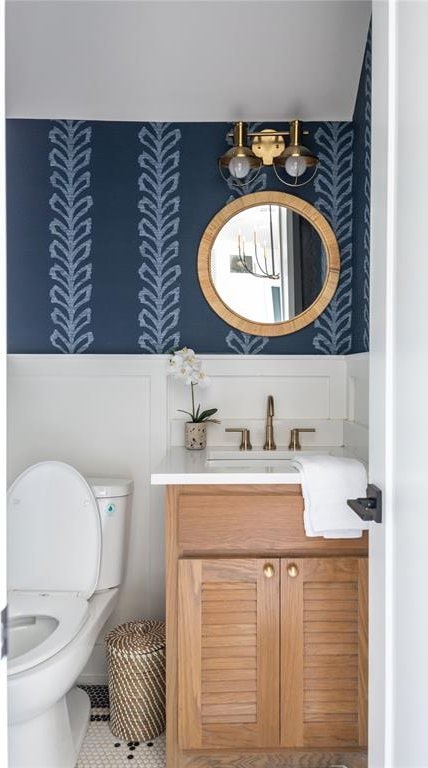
column 221, row 466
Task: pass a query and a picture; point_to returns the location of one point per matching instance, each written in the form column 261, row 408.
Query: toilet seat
column 70, row 611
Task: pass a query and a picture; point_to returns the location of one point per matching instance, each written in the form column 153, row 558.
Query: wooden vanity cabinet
column 266, row 628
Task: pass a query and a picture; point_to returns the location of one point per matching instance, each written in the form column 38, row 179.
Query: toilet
column 66, row 553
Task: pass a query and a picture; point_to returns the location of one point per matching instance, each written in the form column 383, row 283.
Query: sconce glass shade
column 239, row 160
column 296, row 159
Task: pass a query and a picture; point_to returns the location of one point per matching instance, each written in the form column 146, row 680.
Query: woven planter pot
column 136, row 676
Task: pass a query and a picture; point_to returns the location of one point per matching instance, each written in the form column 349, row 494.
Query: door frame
column 380, row 380
column 3, row 597
column 398, row 375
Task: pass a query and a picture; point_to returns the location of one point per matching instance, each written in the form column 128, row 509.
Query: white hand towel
column 327, row 483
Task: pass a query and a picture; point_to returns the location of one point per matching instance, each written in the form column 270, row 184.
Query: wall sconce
column 268, row 147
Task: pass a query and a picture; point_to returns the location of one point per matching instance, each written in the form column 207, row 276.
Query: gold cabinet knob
column 268, row 570
column 292, row 570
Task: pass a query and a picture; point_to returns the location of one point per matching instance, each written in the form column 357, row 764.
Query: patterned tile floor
column 100, row 749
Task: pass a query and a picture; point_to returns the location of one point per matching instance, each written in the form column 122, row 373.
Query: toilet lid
column 54, row 531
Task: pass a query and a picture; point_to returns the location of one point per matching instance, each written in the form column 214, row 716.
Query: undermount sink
column 246, row 463
column 223, row 457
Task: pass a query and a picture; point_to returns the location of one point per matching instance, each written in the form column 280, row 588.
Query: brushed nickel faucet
column 269, row 442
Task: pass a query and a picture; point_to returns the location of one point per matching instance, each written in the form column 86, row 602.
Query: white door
column 3, row 678
column 398, row 706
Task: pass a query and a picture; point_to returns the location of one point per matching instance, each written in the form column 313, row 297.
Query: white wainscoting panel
column 106, row 415
column 356, row 424
column 308, row 391
column 117, row 414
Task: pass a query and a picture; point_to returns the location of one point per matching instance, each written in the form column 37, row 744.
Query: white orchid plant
column 184, row 365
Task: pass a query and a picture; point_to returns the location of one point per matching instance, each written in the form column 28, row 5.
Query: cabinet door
column 228, row 653
column 324, row 652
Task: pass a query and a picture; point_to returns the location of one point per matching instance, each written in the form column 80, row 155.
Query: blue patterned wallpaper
column 361, row 196
column 70, row 248
column 104, row 223
column 160, row 269
column 333, row 185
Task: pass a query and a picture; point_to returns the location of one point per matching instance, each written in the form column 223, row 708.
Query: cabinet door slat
column 332, row 695
column 224, row 606
column 231, row 595
column 228, row 685
column 214, row 630
column 216, row 641
column 244, row 617
column 248, row 663
column 230, row 675
column 312, row 648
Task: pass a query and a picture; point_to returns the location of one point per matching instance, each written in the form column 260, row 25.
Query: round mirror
column 268, row 263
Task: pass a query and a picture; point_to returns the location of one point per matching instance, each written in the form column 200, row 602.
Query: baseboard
column 91, row 679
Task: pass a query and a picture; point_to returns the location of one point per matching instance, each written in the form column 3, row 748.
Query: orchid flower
column 185, row 365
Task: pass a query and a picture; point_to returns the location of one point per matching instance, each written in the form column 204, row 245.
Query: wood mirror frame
column 331, row 249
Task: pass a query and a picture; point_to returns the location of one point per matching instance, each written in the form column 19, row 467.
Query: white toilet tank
column 113, row 497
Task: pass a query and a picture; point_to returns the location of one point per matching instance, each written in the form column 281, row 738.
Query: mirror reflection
column 268, row 263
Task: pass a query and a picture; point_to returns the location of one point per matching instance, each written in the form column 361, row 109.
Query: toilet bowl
column 66, row 539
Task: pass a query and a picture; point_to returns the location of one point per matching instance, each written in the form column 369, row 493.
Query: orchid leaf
column 187, row 412
column 206, row 414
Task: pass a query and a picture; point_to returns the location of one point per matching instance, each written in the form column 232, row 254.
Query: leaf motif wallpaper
column 158, row 228
column 361, row 197
column 70, row 228
column 333, row 184
column 104, row 222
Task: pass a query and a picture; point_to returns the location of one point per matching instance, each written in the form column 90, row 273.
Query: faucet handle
column 294, row 444
column 245, row 437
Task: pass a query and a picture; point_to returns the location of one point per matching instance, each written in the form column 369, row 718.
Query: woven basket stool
column 136, row 677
